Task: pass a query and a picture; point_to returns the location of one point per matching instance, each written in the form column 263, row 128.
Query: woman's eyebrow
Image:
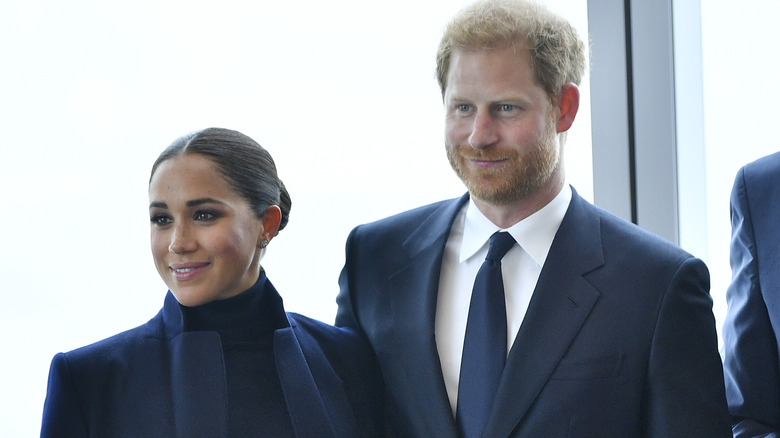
column 192, row 203
column 196, row 202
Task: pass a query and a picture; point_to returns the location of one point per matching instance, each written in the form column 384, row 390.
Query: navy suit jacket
column 158, row 380
column 618, row 340
column 751, row 332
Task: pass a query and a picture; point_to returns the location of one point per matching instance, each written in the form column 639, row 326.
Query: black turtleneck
column 246, row 324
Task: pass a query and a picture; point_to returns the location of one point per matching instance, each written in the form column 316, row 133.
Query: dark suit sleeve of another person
column 750, row 343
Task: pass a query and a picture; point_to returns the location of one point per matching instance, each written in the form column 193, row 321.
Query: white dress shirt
column 464, row 253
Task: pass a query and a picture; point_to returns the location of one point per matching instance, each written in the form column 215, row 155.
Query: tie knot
column 500, row 243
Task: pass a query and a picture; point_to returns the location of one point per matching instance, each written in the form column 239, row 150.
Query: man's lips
column 187, row 271
column 486, row 162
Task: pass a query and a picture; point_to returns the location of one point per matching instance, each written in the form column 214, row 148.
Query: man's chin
column 495, row 196
column 499, row 190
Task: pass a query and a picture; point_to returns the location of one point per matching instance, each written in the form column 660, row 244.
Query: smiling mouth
column 187, row 271
column 486, row 162
column 483, row 157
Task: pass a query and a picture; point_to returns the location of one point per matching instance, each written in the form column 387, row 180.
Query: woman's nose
column 181, row 241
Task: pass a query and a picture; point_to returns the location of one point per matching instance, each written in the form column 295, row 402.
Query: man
column 607, row 330
column 751, row 332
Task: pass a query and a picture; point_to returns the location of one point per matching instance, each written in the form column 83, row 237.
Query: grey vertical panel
column 647, row 110
column 647, row 105
column 610, row 107
column 654, row 117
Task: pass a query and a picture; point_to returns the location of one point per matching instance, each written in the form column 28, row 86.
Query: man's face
column 500, row 127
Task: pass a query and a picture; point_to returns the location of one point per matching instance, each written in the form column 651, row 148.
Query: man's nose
column 483, row 131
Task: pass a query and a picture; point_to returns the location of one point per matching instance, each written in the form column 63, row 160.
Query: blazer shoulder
column 627, row 239
column 378, row 242
column 763, row 167
column 411, row 218
column 348, row 353
column 116, row 347
column 333, row 341
column 756, row 183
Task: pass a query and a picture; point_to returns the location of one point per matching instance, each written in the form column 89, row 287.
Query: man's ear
column 568, row 104
column 271, row 220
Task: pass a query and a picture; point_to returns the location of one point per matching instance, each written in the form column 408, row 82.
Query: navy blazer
column 751, row 331
column 618, row 340
column 158, row 380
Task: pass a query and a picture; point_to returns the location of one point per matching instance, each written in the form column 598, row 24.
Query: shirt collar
column 534, row 234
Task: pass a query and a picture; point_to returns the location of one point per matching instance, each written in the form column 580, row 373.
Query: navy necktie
column 484, row 347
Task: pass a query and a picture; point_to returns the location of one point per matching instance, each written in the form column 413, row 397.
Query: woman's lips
column 187, row 271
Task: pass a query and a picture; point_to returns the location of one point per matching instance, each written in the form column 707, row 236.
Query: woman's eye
column 160, row 219
column 203, row 215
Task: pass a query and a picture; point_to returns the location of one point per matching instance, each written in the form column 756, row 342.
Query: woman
column 222, row 358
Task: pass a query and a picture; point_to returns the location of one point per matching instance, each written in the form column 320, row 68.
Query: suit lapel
column 414, row 288
column 198, row 385
column 307, row 410
column 559, row 306
column 197, row 376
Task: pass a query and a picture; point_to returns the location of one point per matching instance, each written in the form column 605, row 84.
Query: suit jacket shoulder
column 110, row 349
column 623, row 237
column 764, row 166
column 401, row 225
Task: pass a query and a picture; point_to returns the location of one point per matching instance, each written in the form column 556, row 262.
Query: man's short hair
column 557, row 52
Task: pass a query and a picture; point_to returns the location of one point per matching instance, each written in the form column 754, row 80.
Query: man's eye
column 463, row 107
column 160, row 219
column 506, row 107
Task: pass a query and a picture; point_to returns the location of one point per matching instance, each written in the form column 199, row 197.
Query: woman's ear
column 271, row 220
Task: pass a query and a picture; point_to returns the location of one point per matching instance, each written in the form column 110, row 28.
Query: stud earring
column 263, row 244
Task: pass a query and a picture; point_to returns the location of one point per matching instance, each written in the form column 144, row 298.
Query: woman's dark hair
column 247, row 166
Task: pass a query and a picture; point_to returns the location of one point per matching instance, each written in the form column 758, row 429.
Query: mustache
column 470, row 153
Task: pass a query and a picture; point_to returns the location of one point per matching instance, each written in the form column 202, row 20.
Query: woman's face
column 206, row 241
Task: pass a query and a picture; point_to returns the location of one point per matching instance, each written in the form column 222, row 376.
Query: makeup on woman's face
column 205, row 237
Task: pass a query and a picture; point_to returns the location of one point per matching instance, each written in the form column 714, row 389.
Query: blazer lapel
column 559, row 306
column 198, row 383
column 197, row 373
column 414, row 289
column 307, row 410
